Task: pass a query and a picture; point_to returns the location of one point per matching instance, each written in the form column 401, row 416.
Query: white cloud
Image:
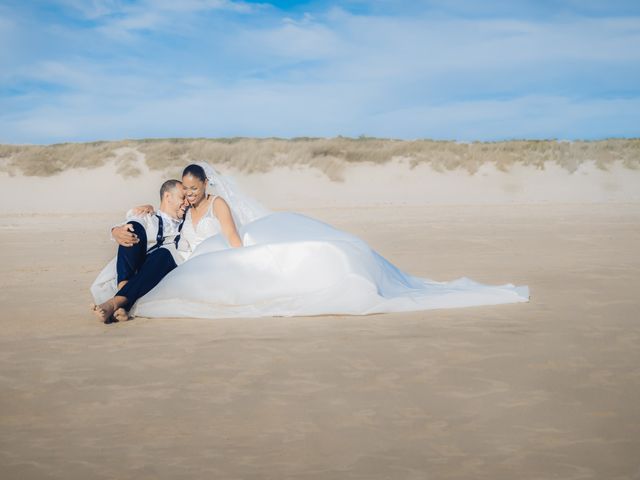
column 7, row 31
column 122, row 20
column 328, row 73
column 295, row 41
column 203, row 5
column 256, row 109
column 93, row 9
column 521, row 117
column 386, row 49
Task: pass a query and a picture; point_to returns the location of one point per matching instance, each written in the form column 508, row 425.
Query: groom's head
column 172, row 200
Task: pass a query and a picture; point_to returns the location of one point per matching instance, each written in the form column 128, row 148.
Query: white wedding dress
column 290, row 265
column 293, row 265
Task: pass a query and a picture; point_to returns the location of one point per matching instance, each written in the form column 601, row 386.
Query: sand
column 546, row 389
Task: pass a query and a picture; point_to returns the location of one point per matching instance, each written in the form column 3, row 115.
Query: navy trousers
column 130, row 259
column 156, row 265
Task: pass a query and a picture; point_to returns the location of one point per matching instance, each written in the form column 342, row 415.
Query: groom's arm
column 123, row 233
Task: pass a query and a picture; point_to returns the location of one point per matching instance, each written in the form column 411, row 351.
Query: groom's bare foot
column 121, row 315
column 104, row 311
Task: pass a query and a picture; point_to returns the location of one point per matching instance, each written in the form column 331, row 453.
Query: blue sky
column 81, row 70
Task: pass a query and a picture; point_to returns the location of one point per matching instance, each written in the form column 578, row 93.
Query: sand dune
column 328, row 155
column 113, row 176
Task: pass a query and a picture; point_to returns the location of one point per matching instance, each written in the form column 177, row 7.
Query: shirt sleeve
column 114, row 226
column 143, row 220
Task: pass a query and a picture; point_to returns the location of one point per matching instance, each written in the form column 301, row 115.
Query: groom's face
column 177, row 201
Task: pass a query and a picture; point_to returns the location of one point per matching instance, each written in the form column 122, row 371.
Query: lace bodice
column 207, row 226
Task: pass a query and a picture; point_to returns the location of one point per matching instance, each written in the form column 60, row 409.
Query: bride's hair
column 195, row 170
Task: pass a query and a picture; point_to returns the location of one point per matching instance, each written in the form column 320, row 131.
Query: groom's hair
column 168, row 186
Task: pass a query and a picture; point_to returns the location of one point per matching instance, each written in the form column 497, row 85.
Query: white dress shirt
column 150, row 223
column 105, row 285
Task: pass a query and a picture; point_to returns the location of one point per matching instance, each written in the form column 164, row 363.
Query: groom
column 147, row 251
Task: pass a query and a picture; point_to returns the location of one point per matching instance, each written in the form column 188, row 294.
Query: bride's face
column 194, row 189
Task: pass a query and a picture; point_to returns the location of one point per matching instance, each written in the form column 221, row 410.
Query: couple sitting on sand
column 154, row 243
column 221, row 254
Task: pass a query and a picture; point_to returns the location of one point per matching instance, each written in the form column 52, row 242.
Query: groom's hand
column 124, row 235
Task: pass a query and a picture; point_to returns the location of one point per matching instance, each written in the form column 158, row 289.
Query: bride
column 289, row 265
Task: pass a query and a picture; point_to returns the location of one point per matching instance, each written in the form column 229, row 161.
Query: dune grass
column 329, row 155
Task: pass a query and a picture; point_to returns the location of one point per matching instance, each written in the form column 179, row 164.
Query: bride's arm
column 223, row 214
column 141, row 210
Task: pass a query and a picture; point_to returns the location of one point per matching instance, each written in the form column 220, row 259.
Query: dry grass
column 330, row 155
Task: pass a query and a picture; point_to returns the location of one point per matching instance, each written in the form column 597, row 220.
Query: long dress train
column 293, row 265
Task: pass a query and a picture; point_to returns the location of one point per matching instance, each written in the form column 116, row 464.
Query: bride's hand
column 143, row 209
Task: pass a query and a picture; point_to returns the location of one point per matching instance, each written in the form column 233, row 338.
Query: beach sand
column 545, row 389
